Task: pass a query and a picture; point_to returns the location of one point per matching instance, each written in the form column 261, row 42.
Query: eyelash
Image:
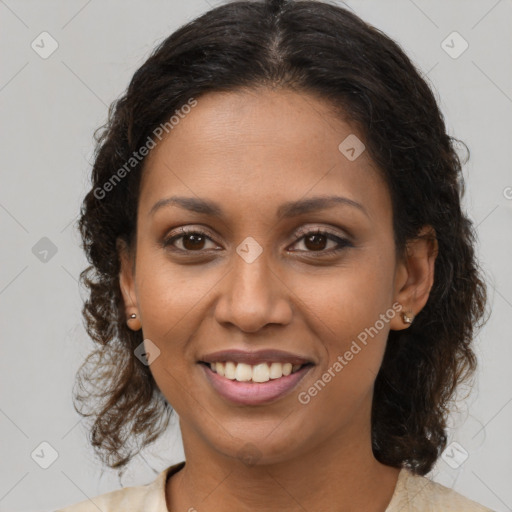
column 299, row 234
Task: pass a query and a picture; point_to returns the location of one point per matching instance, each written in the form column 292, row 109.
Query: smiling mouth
column 257, row 373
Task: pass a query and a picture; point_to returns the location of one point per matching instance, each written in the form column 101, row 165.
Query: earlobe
column 126, row 284
column 415, row 277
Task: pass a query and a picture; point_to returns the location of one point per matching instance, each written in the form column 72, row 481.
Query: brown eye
column 316, row 241
column 191, row 241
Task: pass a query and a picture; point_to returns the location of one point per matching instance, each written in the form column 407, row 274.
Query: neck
column 337, row 471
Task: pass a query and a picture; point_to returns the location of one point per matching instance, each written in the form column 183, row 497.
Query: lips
column 260, row 389
column 251, row 393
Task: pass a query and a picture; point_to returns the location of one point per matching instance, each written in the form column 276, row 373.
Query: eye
column 315, row 241
column 194, row 240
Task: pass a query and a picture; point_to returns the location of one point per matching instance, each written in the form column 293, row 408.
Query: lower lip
column 254, row 393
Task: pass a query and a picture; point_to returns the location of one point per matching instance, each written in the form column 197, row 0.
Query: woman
column 278, row 254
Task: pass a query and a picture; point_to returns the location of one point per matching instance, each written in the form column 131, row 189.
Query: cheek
column 350, row 312
column 343, row 386
column 345, row 300
column 170, row 295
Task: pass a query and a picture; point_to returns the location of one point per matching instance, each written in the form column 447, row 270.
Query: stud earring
column 133, row 323
column 408, row 318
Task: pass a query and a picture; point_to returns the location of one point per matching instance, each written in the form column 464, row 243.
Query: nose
column 252, row 295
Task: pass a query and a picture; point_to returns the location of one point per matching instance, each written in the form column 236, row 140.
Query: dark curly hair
column 315, row 48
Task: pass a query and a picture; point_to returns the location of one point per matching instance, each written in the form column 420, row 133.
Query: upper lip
column 256, row 357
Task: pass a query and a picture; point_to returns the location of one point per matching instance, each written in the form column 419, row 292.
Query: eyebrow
column 286, row 210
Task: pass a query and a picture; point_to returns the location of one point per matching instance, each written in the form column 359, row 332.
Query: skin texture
column 250, row 152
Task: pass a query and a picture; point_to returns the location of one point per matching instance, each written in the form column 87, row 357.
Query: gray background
column 49, row 110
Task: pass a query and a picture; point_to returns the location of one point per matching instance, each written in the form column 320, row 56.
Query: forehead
column 257, row 147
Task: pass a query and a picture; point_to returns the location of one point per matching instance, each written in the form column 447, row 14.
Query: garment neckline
column 403, row 474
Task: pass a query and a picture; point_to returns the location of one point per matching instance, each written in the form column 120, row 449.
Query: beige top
column 413, row 493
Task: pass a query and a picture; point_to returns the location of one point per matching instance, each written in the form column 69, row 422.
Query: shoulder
column 415, row 493
column 130, row 499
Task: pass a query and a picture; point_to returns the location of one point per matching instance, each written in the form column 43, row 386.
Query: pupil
column 313, row 237
column 195, row 239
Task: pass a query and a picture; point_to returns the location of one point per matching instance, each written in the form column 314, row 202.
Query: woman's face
column 251, row 282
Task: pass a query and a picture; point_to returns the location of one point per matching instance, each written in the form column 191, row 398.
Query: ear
column 415, row 275
column 127, row 277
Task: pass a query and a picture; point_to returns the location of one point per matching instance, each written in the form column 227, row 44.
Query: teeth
column 219, row 368
column 260, row 373
column 229, row 370
column 243, row 372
